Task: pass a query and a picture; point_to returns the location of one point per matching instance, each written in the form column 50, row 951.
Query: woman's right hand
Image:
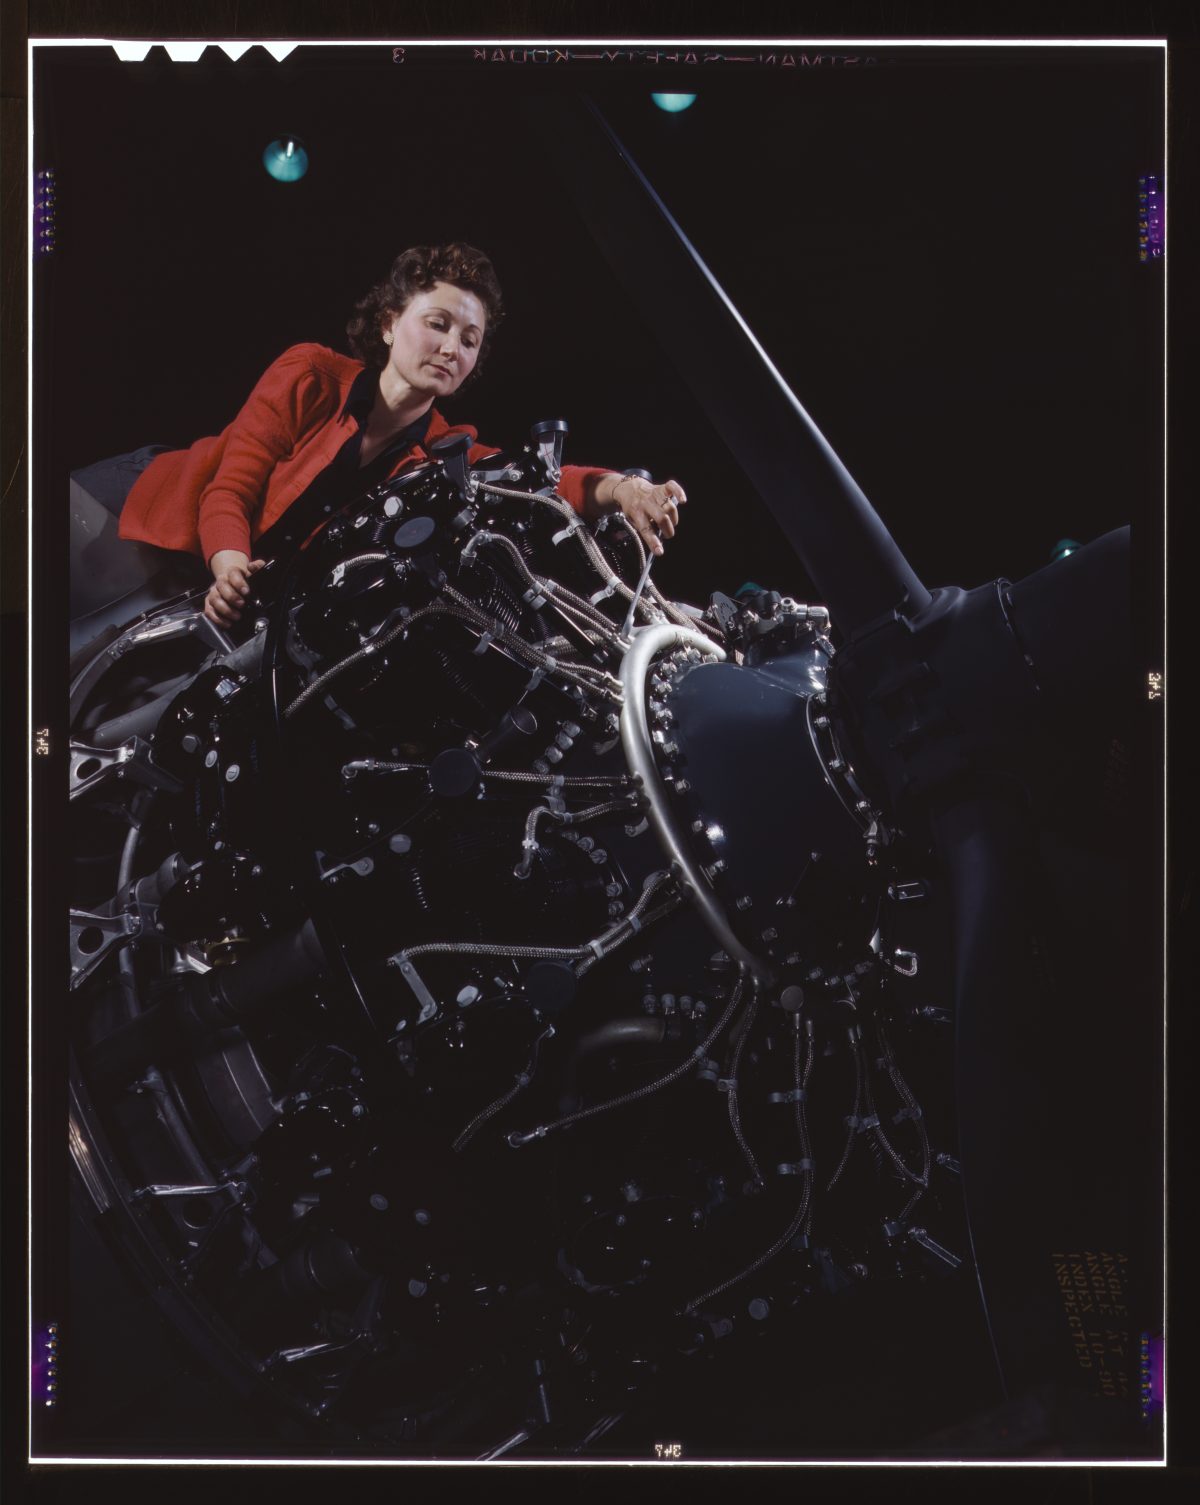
column 231, row 585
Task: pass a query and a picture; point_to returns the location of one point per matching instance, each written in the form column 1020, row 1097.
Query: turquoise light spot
column 285, row 159
column 673, row 103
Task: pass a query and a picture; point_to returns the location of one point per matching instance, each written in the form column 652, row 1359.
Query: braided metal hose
column 798, row 1217
column 731, row 1089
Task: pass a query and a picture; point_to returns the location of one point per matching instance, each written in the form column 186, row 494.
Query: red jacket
column 226, row 491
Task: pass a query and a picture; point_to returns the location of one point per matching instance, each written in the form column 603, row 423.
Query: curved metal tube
column 617, row 1032
column 639, row 753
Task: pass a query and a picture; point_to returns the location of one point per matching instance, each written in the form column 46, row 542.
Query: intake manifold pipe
column 648, row 643
column 617, row 1033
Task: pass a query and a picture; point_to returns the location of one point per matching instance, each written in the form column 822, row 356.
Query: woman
column 319, row 419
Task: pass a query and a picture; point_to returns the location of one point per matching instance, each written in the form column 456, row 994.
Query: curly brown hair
column 414, row 271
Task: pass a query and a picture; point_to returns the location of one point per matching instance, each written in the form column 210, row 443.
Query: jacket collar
column 360, row 394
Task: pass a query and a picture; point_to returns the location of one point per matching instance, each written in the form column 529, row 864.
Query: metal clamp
column 92, row 766
column 919, row 1237
column 429, row 1005
column 93, row 936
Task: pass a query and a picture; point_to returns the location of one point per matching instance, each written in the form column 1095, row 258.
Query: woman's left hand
column 652, row 510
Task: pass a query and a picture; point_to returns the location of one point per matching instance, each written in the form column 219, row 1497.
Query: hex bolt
column 422, row 1217
column 745, row 902
column 378, row 1201
column 191, row 743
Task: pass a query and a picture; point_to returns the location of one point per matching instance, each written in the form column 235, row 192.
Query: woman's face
column 435, row 342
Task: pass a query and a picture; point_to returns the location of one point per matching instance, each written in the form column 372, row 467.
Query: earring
column 387, row 339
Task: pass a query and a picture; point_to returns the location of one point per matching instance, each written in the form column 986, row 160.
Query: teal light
column 673, row 103
column 1062, row 548
column 285, row 159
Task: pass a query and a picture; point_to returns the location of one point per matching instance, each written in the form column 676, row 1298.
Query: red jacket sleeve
column 574, row 479
column 290, row 399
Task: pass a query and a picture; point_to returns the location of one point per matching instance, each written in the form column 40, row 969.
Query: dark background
column 938, row 250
